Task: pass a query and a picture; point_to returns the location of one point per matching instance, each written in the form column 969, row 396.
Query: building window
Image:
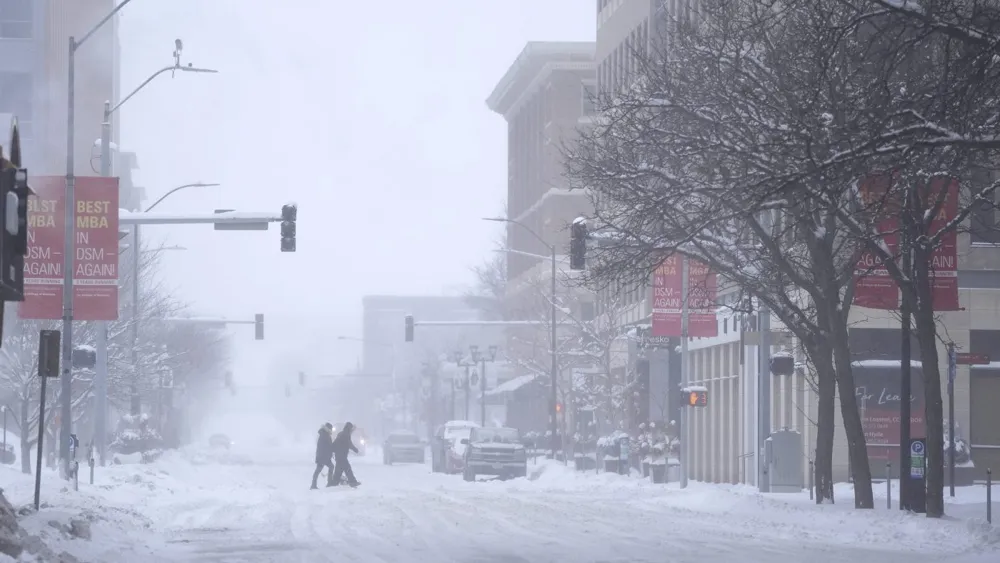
column 983, row 225
column 15, row 98
column 15, row 19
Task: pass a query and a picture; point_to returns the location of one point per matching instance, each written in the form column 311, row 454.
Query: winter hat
column 348, row 427
column 328, row 426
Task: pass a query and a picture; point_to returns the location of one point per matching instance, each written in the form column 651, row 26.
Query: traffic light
column 694, row 397
column 302, row 379
column 409, row 328
column 578, row 244
column 84, row 357
column 258, row 327
column 558, row 407
column 14, row 194
column 289, row 213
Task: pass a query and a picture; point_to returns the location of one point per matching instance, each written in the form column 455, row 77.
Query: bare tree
column 754, row 111
column 708, row 155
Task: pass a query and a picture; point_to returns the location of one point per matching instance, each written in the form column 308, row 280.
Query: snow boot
column 313, row 487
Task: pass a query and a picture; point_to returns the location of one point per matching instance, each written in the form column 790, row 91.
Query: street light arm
column 177, row 189
column 529, row 254
column 170, row 68
column 551, row 247
column 76, row 44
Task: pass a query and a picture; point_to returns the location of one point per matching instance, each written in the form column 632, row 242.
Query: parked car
column 358, row 436
column 494, row 451
column 447, row 449
column 220, row 441
column 403, row 447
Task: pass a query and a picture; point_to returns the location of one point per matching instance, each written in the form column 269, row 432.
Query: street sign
column 916, row 488
column 969, row 359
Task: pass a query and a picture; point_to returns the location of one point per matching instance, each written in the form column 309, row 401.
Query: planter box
column 611, row 465
column 658, row 472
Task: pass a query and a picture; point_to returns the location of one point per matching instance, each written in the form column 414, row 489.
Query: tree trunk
column 856, row 445
column 25, row 457
column 25, row 440
column 926, row 326
column 822, row 357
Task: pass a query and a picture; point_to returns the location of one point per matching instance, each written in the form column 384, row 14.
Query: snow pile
column 782, row 517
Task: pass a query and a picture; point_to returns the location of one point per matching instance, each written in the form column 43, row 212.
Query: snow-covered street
column 200, row 506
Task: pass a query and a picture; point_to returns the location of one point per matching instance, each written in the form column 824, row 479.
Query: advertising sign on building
column 876, row 386
column 95, row 265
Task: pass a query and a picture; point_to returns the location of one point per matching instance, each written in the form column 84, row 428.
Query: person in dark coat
column 324, row 451
column 341, row 446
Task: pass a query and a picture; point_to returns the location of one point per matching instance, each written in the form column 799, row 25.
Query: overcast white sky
column 370, row 115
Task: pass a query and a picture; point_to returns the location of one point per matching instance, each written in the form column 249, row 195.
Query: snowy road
column 264, row 512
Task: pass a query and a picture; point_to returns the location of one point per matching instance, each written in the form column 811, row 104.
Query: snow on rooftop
column 694, row 389
column 512, row 384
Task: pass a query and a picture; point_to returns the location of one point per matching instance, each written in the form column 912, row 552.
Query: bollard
column 91, row 463
column 989, row 496
column 888, row 486
column 812, row 469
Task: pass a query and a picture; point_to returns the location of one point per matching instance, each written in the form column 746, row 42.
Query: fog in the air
column 369, row 115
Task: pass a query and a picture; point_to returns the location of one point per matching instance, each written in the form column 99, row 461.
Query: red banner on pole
column 873, row 287
column 667, row 297
column 95, row 269
column 703, row 294
column 944, row 259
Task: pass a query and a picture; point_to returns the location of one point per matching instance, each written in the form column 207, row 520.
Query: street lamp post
column 554, row 399
column 69, row 241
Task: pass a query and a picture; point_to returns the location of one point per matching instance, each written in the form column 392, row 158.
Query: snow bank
column 779, row 516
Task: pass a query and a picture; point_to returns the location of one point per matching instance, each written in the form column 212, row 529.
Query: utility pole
column 684, row 449
column 555, row 361
column 763, row 395
column 101, row 379
column 906, row 381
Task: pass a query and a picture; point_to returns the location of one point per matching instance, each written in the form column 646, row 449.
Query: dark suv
column 494, row 451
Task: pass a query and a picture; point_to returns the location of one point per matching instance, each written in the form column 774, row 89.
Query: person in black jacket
column 341, row 445
column 324, row 451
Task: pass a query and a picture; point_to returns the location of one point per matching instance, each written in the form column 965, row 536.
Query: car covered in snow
column 220, row 441
column 494, row 451
column 403, row 446
column 359, row 437
column 447, row 450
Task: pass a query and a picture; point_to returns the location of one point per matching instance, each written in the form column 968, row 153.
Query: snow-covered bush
column 963, row 453
column 136, row 436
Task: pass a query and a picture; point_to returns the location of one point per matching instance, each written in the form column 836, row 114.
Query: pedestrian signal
column 694, row 397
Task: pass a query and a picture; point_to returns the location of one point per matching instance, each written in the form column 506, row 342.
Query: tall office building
column 34, row 49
